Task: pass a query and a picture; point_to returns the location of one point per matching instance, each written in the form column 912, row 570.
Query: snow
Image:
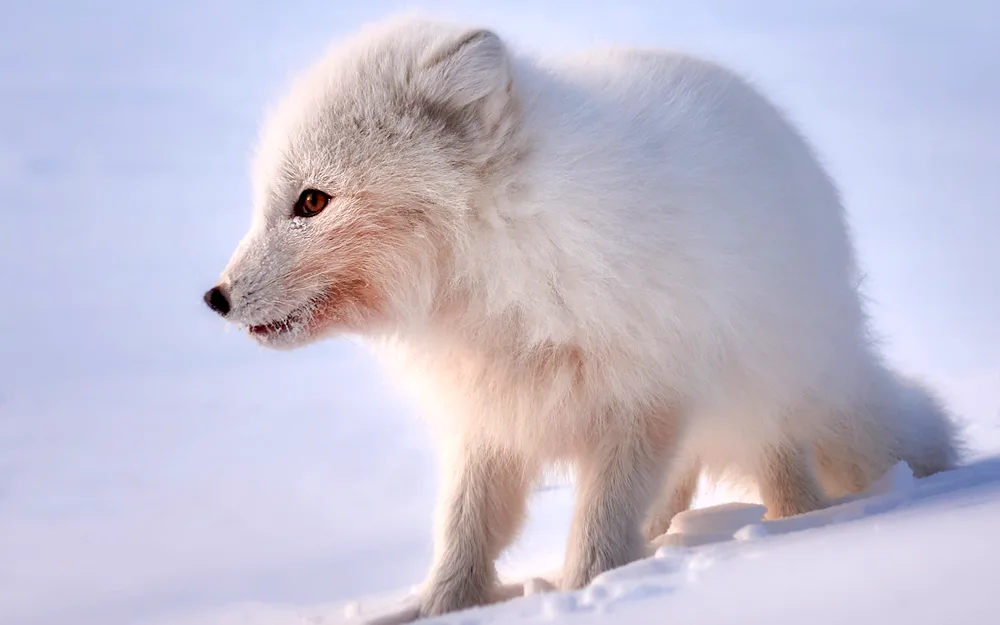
column 913, row 551
column 158, row 470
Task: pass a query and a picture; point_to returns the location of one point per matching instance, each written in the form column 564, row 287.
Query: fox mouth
column 304, row 324
column 267, row 329
column 291, row 324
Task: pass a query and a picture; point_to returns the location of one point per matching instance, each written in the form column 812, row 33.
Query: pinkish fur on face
column 340, row 275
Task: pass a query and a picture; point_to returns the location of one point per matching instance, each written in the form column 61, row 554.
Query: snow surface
column 156, row 469
column 907, row 551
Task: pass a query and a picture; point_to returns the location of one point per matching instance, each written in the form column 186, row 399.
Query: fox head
column 366, row 180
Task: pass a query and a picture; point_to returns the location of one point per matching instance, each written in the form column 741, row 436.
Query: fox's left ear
column 469, row 69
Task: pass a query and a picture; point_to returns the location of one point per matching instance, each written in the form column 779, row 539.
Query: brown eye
column 311, row 203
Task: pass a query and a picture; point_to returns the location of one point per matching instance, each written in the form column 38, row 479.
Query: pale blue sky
column 151, row 460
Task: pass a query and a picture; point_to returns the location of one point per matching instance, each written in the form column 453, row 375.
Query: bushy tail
column 927, row 435
column 899, row 419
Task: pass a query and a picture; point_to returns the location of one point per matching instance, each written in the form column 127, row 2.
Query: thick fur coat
column 626, row 261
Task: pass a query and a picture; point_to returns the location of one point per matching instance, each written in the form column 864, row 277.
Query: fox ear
column 466, row 69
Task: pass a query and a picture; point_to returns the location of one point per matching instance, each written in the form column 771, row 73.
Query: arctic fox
column 625, row 261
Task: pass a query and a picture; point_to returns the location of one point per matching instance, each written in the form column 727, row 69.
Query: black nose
column 217, row 301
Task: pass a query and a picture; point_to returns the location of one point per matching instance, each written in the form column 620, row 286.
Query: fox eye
column 310, row 203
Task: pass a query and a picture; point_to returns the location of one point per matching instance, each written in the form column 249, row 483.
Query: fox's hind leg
column 787, row 481
column 676, row 497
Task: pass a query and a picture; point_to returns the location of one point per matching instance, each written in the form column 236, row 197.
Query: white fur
column 626, row 260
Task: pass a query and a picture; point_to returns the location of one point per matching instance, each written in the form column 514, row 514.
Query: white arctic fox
column 627, row 261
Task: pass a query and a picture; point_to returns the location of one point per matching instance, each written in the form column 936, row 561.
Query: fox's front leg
column 481, row 508
column 617, row 480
